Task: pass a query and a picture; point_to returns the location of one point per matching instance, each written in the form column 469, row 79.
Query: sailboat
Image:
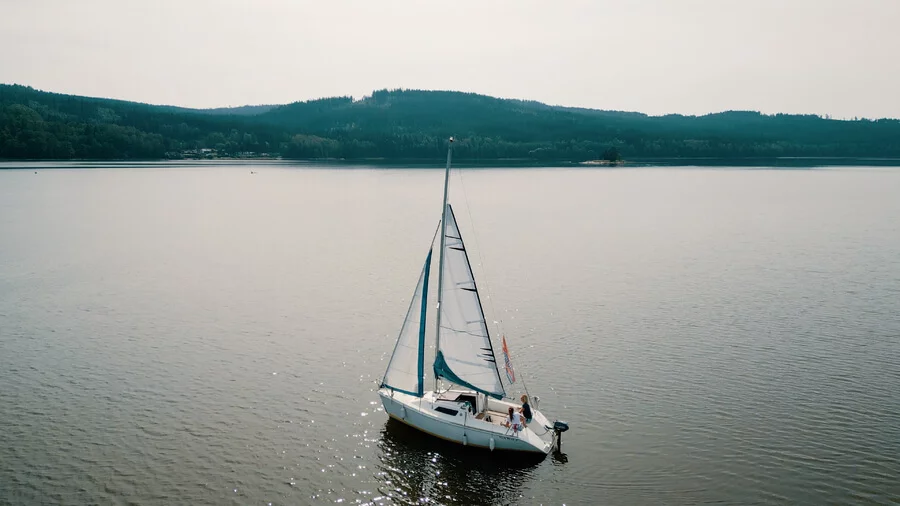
column 469, row 403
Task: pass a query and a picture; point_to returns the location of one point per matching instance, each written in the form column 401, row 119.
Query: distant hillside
column 244, row 110
column 410, row 124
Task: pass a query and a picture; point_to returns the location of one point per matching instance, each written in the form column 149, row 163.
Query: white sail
column 405, row 370
column 465, row 355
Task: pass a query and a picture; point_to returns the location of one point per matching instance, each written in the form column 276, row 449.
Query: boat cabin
column 493, row 411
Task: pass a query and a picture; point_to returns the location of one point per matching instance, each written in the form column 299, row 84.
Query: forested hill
column 410, row 124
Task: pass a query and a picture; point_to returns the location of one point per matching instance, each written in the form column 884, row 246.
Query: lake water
column 199, row 334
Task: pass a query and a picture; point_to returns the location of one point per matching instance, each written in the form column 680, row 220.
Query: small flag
column 510, row 373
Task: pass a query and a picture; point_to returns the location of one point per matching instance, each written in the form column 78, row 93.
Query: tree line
column 414, row 124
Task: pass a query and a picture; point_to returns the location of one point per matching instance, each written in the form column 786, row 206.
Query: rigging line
column 461, row 331
column 484, row 269
column 522, row 376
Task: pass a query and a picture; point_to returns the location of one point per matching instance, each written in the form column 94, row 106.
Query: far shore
column 785, row 162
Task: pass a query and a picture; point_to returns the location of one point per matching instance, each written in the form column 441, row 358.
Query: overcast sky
column 838, row 57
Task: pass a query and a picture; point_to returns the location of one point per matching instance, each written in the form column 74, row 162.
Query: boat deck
column 494, row 417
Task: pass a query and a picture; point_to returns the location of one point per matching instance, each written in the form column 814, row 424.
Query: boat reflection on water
column 414, row 467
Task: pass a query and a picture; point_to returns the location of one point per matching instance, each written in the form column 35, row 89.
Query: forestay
column 405, row 370
column 465, row 355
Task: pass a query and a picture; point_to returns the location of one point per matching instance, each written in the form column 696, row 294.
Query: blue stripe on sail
column 421, row 365
column 442, row 370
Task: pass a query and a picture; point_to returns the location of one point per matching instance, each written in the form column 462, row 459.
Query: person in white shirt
column 515, row 420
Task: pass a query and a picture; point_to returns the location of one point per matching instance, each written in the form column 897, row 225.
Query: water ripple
column 221, row 346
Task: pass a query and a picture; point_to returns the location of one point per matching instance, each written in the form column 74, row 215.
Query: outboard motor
column 559, row 427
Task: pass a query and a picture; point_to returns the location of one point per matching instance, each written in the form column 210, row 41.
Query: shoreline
column 775, row 162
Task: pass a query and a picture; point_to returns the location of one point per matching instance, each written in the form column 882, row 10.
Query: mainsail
column 465, row 355
column 406, row 369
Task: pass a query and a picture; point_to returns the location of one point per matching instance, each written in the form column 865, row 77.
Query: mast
column 440, row 295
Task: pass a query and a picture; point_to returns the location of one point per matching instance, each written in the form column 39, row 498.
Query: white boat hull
column 459, row 425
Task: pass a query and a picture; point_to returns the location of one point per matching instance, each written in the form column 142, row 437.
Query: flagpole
column 507, row 362
column 509, row 367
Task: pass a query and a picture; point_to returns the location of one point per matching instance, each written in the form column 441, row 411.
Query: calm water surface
column 204, row 335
